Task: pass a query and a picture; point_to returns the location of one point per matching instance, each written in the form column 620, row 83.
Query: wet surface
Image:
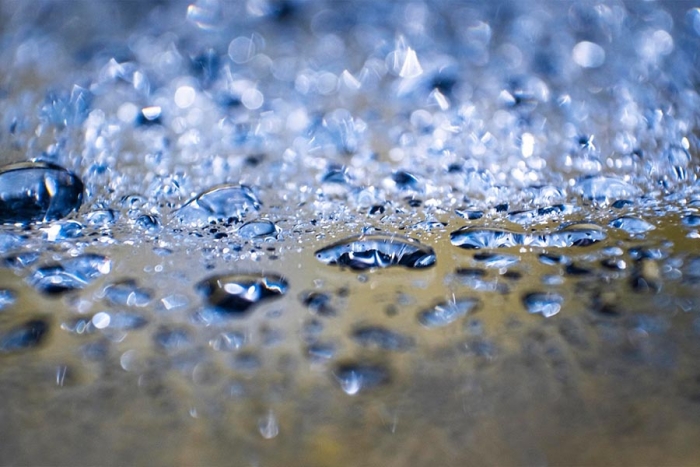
column 314, row 234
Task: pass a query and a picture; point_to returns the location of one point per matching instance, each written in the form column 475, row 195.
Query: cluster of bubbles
column 231, row 132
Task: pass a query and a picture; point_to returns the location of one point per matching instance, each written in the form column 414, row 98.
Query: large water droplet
column 219, row 203
column 377, row 251
column 235, row 294
column 37, row 192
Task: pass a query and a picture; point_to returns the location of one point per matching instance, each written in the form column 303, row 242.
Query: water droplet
column 320, row 352
column 262, row 229
column 588, row 54
column 219, row 203
column 21, row 260
column 336, row 174
column 101, row 217
column 574, row 269
column 614, row 264
column 318, row 302
column 171, row 339
column 429, row 225
column 101, row 320
column 552, row 259
column 127, row 293
column 149, row 116
column 679, row 159
column 25, row 336
column 7, row 298
column 71, row 274
column 381, row 337
column 404, row 180
column 63, row 230
column 227, row 341
column 174, row 301
column 646, row 276
column 547, row 304
column 691, row 220
column 356, row 377
column 469, row 237
column 247, row 361
column 37, row 192
column 498, row 261
column 268, row 426
column 632, row 225
column 579, row 234
column 447, row 312
column 471, row 215
column 148, row 222
column 377, row 251
column 604, row 190
column 235, row 294
column 124, row 321
column 479, row 237
column 78, row 326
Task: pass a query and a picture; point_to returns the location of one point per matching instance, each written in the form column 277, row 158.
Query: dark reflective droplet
column 37, row 192
column 235, row 294
column 318, row 302
column 24, row 336
column 405, row 180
